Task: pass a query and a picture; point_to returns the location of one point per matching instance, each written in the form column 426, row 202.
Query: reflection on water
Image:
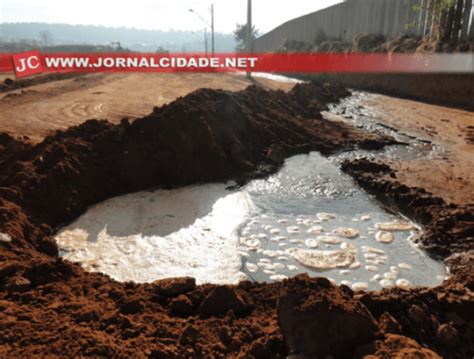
column 314, row 219
column 307, row 218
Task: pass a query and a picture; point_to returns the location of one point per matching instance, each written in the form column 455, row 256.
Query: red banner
column 32, row 62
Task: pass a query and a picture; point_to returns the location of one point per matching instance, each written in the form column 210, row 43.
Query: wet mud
column 52, row 307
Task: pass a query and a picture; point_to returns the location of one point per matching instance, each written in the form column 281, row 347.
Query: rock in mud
column 448, row 335
column 181, row 305
column 222, row 300
column 417, row 314
column 175, row 286
column 320, row 320
column 389, row 324
column 18, row 284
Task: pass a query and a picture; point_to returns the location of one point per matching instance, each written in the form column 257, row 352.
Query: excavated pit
column 56, row 307
column 309, row 217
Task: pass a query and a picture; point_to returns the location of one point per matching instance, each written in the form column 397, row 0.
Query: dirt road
column 39, row 110
column 448, row 174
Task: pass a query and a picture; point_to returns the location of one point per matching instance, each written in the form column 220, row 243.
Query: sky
column 158, row 14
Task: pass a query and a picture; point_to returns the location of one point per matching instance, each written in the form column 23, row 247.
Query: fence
column 348, row 19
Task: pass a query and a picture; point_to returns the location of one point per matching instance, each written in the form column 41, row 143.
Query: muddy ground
column 40, row 109
column 50, row 307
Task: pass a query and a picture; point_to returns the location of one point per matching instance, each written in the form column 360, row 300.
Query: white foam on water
column 296, row 241
column 360, row 286
column 403, row 284
column 312, row 243
column 349, row 247
column 394, row 269
column 346, row 232
column 384, row 237
column 376, row 278
column 390, row 275
column 293, row 230
column 326, row 216
column 373, row 250
column 279, row 266
column 386, row 283
column 405, row 266
column 315, row 230
column 218, row 236
column 147, row 236
column 396, row 226
column 323, row 260
column 278, row 277
column 329, row 239
column 252, row 268
column 355, row 265
column 252, row 243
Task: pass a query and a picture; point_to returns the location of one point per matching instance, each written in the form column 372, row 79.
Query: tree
column 465, row 20
column 45, row 38
column 240, row 35
column 449, row 18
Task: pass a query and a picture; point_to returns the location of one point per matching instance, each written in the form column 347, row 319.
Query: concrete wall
column 454, row 90
column 348, row 19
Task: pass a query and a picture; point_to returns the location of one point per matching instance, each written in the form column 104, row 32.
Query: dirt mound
column 315, row 309
column 10, row 84
column 55, row 307
column 207, row 136
column 396, row 346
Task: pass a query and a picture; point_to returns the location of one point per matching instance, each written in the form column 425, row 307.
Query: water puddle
column 353, row 110
column 307, row 218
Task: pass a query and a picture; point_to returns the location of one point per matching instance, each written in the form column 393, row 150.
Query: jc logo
column 27, row 63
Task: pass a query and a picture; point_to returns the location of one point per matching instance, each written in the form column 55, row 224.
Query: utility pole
column 205, row 41
column 249, row 32
column 212, row 29
column 211, row 26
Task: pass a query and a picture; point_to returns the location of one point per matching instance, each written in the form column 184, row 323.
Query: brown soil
column 449, row 129
column 51, row 307
column 10, row 84
column 58, row 105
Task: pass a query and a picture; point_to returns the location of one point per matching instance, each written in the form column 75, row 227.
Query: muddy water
column 307, row 218
column 353, row 110
column 314, row 219
column 146, row 236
